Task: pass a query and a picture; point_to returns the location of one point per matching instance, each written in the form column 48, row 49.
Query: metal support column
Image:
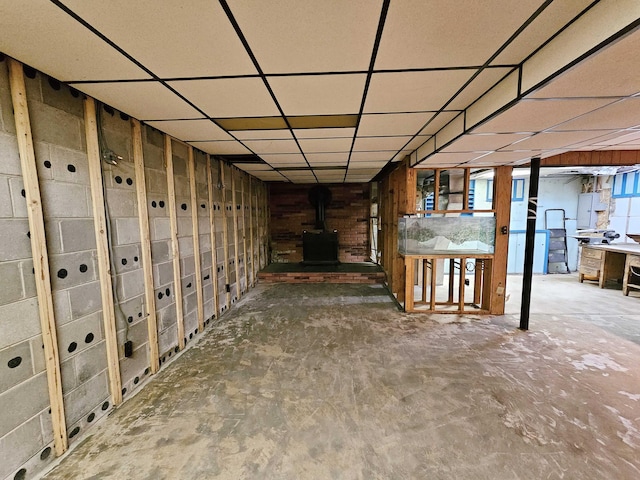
column 525, row 306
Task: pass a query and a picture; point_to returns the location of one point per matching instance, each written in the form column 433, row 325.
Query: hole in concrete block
column 109, row 110
column 154, row 204
column 72, row 347
column 23, row 193
column 118, row 179
column 169, row 353
column 130, row 319
column 47, row 164
column 123, row 261
column 196, row 331
column 124, row 116
column 189, row 285
column 30, row 72
column 53, row 83
column 62, row 273
column 124, row 390
column 183, row 206
column 129, row 182
column 14, row 362
column 203, row 206
column 146, row 371
column 22, row 473
column 89, row 338
column 45, row 453
column 74, row 93
column 139, row 314
column 83, row 268
column 136, row 380
column 167, row 292
column 190, row 336
column 105, row 405
column 71, row 168
column 176, row 349
column 161, row 204
column 160, row 295
column 74, row 432
column 28, row 234
column 91, row 417
column 206, row 277
column 135, row 259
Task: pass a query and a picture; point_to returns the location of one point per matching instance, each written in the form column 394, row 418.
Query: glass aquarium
column 461, row 235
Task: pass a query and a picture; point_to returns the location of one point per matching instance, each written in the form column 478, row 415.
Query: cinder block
column 161, row 228
column 28, row 278
column 26, row 400
column 153, row 136
column 162, row 298
column 37, row 354
column 130, row 312
column 153, row 156
column 64, row 200
column 16, row 365
column 205, row 260
column 190, row 322
column 179, row 158
column 68, row 165
column 137, row 333
column 91, row 362
column 71, row 269
column 68, row 375
column 167, row 317
column 79, row 335
column 185, row 246
column 55, row 126
column 183, row 192
column 122, row 203
column 208, row 308
column 160, row 251
column 77, row 235
column 167, row 340
column 156, row 181
column 204, row 238
column 10, row 282
column 17, row 202
column 14, row 240
column 185, row 228
column 85, row 398
column 187, row 266
column 6, row 199
column 157, row 205
column 130, row 284
column 43, row 160
column 127, row 231
column 84, row 299
column 190, row 301
column 188, row 284
column 7, row 122
column 9, row 157
column 61, row 307
column 134, row 366
column 162, row 274
column 61, row 98
column 120, row 142
column 127, row 258
column 18, row 446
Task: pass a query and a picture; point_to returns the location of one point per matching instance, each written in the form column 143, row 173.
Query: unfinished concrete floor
column 332, row 381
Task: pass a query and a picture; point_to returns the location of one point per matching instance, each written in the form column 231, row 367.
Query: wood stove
column 319, row 246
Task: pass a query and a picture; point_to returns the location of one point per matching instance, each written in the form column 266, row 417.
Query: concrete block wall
column 58, row 128
column 219, row 211
column 229, row 206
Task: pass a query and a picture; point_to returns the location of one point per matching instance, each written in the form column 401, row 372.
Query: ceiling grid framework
column 334, row 91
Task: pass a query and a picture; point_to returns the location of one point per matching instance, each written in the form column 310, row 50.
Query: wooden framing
column 251, row 243
column 225, row 241
column 236, row 241
column 39, row 254
column 212, row 233
column 175, row 249
column 502, row 207
column 145, row 245
column 191, row 165
column 244, row 235
column 102, row 245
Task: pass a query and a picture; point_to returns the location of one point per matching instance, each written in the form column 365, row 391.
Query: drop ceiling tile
column 618, row 115
column 484, row 142
column 144, row 101
column 254, row 167
column 504, row 158
column 610, row 72
column 328, row 164
column 171, row 39
column 324, row 132
column 538, row 115
column 40, row 34
column 395, row 124
column 229, row 97
column 358, row 178
column 221, row 147
column 188, row 130
column 334, row 158
column 413, row 91
column 285, row 160
column 368, row 144
column 325, row 145
column 319, row 94
column 553, row 140
column 271, row 176
column 356, row 170
column 438, row 121
column 482, row 83
column 442, row 33
column 263, row 134
column 292, row 36
column 364, row 164
column 444, row 158
column 416, row 143
column 371, row 156
column 262, row 147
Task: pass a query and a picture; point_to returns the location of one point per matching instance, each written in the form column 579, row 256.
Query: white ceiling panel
column 504, row 158
column 229, row 97
column 618, row 115
column 293, row 36
column 319, row 94
column 552, row 140
column 416, row 143
column 263, row 134
column 56, row 44
column 272, row 146
column 365, row 164
column 395, row 124
column 333, row 158
column 482, row 83
column 368, row 144
column 222, row 147
column 413, row 91
column 438, row 122
column 442, row 33
column 254, row 167
column 285, row 160
column 452, row 158
column 625, row 136
column 166, row 34
column 324, row 132
column 371, row 156
column 538, row 115
column 144, row 101
column 484, row 142
column 592, row 77
column 188, row 130
column 271, row 176
column 315, row 145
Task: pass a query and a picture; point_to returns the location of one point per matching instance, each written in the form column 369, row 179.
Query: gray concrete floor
column 332, row 381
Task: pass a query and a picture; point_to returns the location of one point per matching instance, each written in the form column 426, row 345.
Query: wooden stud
column 145, row 245
column 244, row 235
column 477, row 281
column 251, row 244
column 102, row 245
column 502, row 206
column 467, row 186
column 191, row 165
column 434, row 281
column 236, row 241
column 461, row 284
column 436, row 188
column 409, row 263
column 212, row 233
column 225, row 241
column 175, row 250
column 39, row 254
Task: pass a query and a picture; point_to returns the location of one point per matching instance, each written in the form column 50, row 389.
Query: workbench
column 613, row 262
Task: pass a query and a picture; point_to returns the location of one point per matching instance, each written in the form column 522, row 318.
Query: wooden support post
column 409, row 264
column 502, row 206
column 461, row 284
column 486, row 284
column 175, row 250
column 191, row 165
column 467, row 186
column 225, row 242
column 436, row 189
column 251, row 244
column 102, row 245
column 214, row 253
column 477, row 281
column 39, row 254
column 244, row 235
column 145, row 246
column 236, row 241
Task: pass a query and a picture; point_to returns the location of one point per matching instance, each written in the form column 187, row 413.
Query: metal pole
column 529, row 244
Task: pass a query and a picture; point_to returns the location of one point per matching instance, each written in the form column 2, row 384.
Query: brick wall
column 291, row 213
